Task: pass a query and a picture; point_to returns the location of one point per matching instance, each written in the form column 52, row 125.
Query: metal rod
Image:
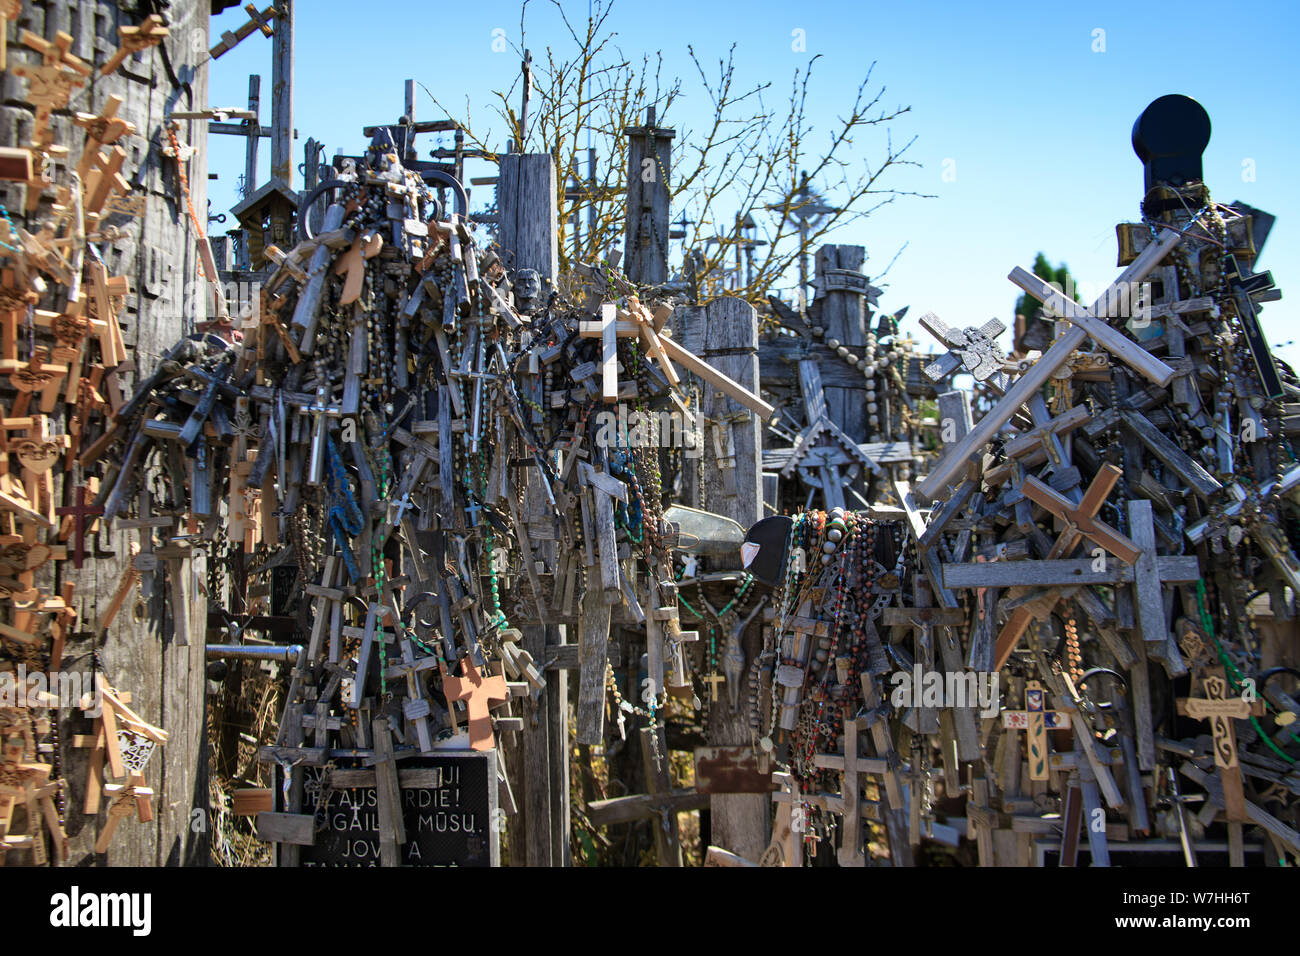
column 283, row 653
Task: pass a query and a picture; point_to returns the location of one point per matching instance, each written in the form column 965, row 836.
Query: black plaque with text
column 449, row 804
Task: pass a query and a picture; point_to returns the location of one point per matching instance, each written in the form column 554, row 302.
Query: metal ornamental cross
column 973, row 349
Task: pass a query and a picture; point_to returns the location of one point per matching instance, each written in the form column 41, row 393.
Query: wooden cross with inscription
column 479, row 693
column 973, row 349
column 1220, row 708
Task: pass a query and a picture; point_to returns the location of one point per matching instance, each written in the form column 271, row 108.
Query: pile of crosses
column 62, row 355
column 1112, row 523
column 414, row 434
column 1108, row 548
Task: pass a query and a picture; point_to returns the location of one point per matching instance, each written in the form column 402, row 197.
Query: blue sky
column 1011, row 100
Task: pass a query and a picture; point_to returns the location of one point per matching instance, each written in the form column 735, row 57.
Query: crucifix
column 80, row 512
column 479, row 693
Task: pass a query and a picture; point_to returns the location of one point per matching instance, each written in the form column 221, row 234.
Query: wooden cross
column 51, row 84
column 796, row 653
column 79, row 512
column 374, row 611
column 103, row 129
column 9, row 10
column 1035, row 720
column 1244, row 287
column 1220, row 709
column 1032, row 381
column 850, row 765
column 257, row 21
column 973, row 349
column 479, row 693
column 415, row 708
column 1088, row 507
column 1082, row 520
column 131, row 40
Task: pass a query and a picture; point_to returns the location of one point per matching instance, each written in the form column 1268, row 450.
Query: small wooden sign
column 449, row 808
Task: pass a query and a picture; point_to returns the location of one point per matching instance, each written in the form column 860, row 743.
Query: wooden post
column 526, row 203
column 157, row 253
column 844, row 315
column 282, row 96
column 725, row 334
column 649, row 165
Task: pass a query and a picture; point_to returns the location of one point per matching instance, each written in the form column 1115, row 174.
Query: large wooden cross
column 1030, row 383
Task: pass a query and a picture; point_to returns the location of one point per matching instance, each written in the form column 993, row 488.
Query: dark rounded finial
column 1169, row 137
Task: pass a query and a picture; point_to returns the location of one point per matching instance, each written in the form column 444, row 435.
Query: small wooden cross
column 80, row 512
column 9, row 10
column 1036, row 720
column 713, row 680
column 258, row 21
column 103, row 129
column 851, row 765
column 1220, row 709
column 479, row 693
column 149, row 33
column 50, row 85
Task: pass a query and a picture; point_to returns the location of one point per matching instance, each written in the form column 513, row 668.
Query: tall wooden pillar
column 526, row 202
column 844, row 315
column 157, row 252
column 725, row 334
column 649, row 166
column 282, row 95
